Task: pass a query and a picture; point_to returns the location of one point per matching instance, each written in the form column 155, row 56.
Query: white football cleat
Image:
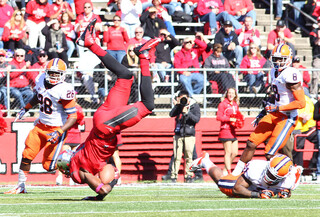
column 19, row 189
column 197, row 163
column 59, row 180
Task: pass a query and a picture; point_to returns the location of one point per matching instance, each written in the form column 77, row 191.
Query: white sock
column 207, row 164
column 22, row 177
column 239, row 168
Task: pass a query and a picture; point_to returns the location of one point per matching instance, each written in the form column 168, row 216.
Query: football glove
column 55, row 136
column 258, row 118
column 271, row 108
column 266, row 194
column 284, row 193
column 21, row 113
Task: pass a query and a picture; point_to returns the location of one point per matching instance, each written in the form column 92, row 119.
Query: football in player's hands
column 266, row 194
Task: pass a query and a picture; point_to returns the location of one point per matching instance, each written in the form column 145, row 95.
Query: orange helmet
column 55, row 71
column 283, row 53
column 278, row 168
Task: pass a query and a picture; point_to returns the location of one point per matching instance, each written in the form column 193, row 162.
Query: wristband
column 60, row 130
column 255, row 194
column 99, row 187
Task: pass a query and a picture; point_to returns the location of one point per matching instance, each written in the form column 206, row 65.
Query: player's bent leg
column 107, row 174
column 248, row 152
column 280, row 135
column 87, row 39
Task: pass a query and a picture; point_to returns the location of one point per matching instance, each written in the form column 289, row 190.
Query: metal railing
column 165, row 92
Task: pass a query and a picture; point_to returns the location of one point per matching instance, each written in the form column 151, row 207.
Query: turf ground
column 197, row 199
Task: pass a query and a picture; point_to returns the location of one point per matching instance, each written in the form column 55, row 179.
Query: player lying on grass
column 260, row 178
column 111, row 117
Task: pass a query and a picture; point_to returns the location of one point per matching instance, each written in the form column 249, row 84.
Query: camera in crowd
column 183, row 94
column 183, row 101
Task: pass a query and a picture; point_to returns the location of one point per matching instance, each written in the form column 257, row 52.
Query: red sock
column 96, row 49
column 144, row 65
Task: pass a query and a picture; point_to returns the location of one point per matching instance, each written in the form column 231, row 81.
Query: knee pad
column 26, row 161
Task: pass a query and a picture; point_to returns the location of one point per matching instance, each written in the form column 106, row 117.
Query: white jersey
column 282, row 94
column 255, row 171
column 52, row 112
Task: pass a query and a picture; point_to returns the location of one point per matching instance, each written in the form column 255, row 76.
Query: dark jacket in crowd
column 164, row 48
column 185, row 123
column 223, row 38
column 151, row 26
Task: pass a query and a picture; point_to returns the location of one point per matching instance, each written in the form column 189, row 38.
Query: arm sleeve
column 298, row 103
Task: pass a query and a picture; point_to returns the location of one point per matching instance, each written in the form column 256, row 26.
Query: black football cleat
column 145, row 50
column 87, row 38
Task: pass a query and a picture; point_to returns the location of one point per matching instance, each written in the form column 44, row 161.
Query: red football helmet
column 55, row 71
column 278, row 168
column 283, row 53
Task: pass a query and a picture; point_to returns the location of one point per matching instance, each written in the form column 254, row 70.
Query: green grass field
column 197, row 199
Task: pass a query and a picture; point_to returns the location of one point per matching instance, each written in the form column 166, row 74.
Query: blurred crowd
column 36, row 31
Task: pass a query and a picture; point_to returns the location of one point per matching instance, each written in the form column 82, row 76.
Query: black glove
column 266, row 194
column 284, row 193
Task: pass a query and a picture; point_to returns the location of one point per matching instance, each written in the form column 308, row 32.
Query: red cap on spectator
column 318, row 19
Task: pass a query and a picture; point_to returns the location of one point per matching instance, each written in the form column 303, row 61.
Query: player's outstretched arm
column 34, row 101
column 241, row 189
column 298, row 93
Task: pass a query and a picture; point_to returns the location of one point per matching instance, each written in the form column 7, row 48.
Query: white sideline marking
column 164, row 211
column 160, row 201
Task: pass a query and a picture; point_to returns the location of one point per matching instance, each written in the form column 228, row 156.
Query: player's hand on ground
column 266, row 194
column 55, row 136
column 21, row 113
column 284, row 193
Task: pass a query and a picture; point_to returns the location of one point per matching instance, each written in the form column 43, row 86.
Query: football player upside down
column 88, row 163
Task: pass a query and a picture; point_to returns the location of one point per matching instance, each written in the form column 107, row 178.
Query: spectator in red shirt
column 19, row 81
column 14, row 33
column 281, row 34
column 187, row 58
column 212, row 11
column 115, row 38
column 253, row 60
column 227, row 109
column 58, row 8
column 37, row 13
column 248, row 34
column 79, row 6
column 68, row 28
column 6, row 12
column 238, row 10
column 84, row 19
column 41, row 64
column 189, row 6
column 305, row 75
column 138, row 37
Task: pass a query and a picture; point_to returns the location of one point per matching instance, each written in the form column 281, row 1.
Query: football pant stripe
column 57, row 152
column 123, row 117
column 282, row 135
